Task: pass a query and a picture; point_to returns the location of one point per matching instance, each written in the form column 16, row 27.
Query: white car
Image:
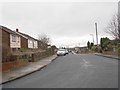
column 66, row 51
column 61, row 52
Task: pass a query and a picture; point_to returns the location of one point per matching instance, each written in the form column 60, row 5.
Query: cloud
column 60, row 20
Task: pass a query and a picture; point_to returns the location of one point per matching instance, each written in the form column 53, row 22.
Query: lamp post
column 92, row 37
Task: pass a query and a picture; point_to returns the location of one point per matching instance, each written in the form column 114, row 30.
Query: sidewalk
column 26, row 70
column 109, row 56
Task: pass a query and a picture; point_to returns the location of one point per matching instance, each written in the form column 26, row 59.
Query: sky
column 66, row 23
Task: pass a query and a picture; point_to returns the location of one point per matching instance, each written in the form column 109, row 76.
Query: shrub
column 119, row 50
column 21, row 50
column 5, row 53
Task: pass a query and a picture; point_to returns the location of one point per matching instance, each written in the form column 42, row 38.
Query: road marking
column 86, row 64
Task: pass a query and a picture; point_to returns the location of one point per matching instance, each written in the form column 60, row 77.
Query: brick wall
column 5, row 45
column 5, row 39
column 110, row 53
column 7, row 66
column 20, row 61
column 40, row 55
column 24, row 43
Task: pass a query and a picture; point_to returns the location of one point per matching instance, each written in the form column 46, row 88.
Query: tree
column 91, row 45
column 44, row 39
column 101, row 43
column 113, row 27
column 104, row 43
column 88, row 45
column 54, row 48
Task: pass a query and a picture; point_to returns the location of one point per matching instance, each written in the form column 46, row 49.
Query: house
column 10, row 39
column 14, row 40
column 24, row 40
column 35, row 43
column 32, row 43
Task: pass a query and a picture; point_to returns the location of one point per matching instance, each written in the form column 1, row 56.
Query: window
column 30, row 41
column 13, row 38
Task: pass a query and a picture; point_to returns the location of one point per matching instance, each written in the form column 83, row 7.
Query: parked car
column 73, row 52
column 61, row 52
column 66, row 51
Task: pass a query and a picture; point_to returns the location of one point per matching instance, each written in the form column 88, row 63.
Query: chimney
column 17, row 30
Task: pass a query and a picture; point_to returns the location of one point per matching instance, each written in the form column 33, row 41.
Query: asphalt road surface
column 73, row 71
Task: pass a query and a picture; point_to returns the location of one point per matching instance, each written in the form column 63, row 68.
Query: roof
column 8, row 30
column 22, row 35
column 29, row 37
column 17, row 33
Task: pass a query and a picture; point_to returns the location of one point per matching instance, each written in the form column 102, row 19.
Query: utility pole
column 96, row 34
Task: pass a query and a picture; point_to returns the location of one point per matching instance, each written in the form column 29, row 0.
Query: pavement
column 108, row 56
column 26, row 70
column 72, row 71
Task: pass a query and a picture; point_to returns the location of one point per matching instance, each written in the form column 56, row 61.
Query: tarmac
column 26, row 70
column 35, row 66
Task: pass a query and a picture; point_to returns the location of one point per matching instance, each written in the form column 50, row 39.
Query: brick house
column 10, row 39
column 32, row 43
column 14, row 40
column 24, row 40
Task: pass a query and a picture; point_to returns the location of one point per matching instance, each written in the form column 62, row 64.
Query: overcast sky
column 66, row 23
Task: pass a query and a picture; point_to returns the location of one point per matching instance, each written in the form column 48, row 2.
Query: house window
column 30, row 41
column 13, row 38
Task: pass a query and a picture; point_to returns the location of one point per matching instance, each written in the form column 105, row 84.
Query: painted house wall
column 35, row 44
column 30, row 43
column 15, row 41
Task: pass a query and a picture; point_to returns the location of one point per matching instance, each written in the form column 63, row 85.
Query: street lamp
column 92, row 37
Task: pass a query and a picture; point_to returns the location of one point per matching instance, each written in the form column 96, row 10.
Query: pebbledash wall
column 15, row 41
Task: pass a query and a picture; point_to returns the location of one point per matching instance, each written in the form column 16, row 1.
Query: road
column 73, row 71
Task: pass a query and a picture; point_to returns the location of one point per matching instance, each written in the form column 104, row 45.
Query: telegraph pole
column 96, row 33
column 96, row 36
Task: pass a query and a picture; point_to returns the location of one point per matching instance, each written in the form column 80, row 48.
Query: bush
column 6, row 54
column 119, row 50
column 110, row 47
column 21, row 50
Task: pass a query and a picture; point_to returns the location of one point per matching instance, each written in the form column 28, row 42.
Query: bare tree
column 113, row 27
column 44, row 38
